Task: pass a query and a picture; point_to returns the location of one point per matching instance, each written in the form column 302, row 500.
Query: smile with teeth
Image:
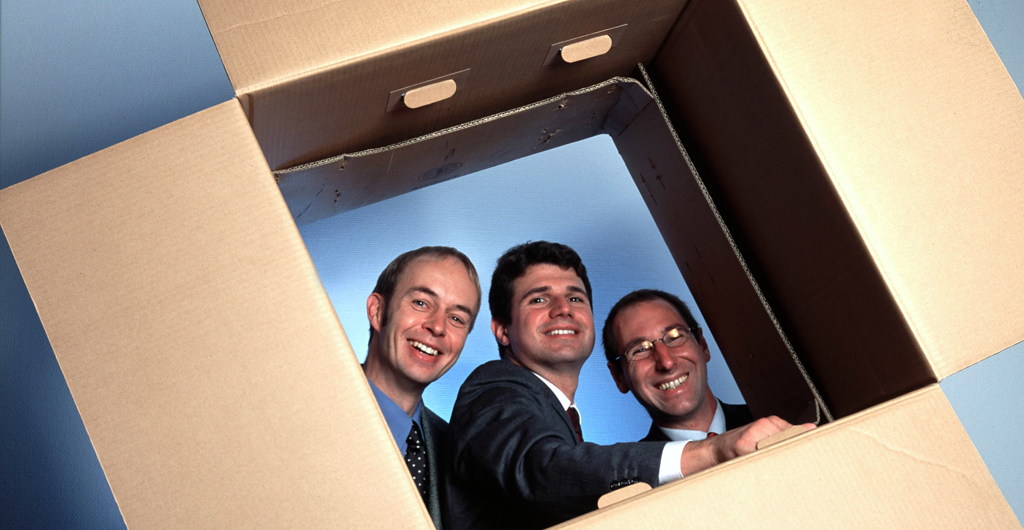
column 561, row 332
column 424, row 348
column 672, row 384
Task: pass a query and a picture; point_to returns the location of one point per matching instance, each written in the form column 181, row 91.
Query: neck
column 401, row 391
column 698, row 420
column 567, row 379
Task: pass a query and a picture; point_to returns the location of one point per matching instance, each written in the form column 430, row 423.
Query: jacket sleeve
column 511, row 441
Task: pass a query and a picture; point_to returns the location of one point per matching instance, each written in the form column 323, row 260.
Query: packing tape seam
column 819, row 403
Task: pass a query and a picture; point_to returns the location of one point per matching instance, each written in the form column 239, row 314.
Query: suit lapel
column 433, row 463
column 531, row 380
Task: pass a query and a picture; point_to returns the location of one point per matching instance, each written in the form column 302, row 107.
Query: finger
column 779, row 423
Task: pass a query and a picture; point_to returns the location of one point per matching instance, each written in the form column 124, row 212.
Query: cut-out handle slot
column 426, row 95
column 590, row 48
column 584, row 47
column 427, row 92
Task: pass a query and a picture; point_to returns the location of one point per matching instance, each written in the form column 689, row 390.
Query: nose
column 436, row 323
column 662, row 355
column 561, row 307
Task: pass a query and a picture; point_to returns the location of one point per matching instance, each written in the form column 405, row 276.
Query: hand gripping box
column 839, row 182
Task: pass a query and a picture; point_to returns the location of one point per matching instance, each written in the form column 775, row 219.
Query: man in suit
column 520, row 460
column 656, row 350
column 421, row 310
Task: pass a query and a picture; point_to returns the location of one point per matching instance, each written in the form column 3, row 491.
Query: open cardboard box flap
column 904, row 464
column 203, row 354
column 871, row 177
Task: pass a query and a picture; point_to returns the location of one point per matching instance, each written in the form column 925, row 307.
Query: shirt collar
column 717, row 427
column 398, row 421
column 562, row 398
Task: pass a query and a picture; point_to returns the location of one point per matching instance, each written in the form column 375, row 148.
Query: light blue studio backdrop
column 78, row 77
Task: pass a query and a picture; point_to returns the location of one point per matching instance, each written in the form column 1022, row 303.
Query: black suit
column 517, row 463
column 438, row 440
column 735, row 416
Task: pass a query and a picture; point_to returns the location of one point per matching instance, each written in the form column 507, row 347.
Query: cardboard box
column 835, row 141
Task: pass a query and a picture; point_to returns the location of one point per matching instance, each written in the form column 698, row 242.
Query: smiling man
column 421, row 310
column 520, row 457
column 656, row 350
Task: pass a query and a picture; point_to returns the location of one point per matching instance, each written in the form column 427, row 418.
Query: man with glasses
column 655, row 349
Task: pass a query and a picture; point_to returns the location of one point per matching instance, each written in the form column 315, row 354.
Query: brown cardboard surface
column 210, row 370
column 757, row 357
column 349, row 181
column 259, row 41
column 314, row 78
column 904, row 464
column 782, row 191
column 928, row 158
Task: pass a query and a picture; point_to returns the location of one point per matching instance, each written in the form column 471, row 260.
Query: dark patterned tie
column 574, row 416
column 416, row 459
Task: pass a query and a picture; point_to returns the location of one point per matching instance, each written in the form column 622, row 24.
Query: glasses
column 673, row 338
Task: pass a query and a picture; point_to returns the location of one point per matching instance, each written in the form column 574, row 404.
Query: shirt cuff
column 671, row 456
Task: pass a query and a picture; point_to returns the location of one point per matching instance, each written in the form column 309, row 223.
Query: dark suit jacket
column 437, row 438
column 517, row 463
column 735, row 416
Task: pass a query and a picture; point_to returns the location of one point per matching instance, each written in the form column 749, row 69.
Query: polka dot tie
column 416, row 459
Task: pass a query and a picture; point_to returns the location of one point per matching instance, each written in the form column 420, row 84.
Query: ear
column 618, row 376
column 500, row 332
column 375, row 311
column 704, row 346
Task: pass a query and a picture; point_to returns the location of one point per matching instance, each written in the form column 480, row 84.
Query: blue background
column 76, row 77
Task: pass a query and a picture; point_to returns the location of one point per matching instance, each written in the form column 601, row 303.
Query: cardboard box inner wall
column 315, row 78
column 192, row 393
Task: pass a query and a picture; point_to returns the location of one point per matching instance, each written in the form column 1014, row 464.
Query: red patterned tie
column 574, row 416
column 710, row 434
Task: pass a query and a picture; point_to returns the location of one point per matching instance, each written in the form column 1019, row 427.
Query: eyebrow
column 427, row 291
column 535, row 290
column 547, row 288
column 424, row 290
column 664, row 330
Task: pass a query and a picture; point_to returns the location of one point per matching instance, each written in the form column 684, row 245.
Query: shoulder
column 499, row 369
column 655, row 435
column 736, row 415
column 500, row 374
column 500, row 389
column 431, row 420
column 435, row 429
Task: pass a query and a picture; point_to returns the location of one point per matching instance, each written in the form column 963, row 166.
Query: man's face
column 671, row 383
column 427, row 321
column 552, row 323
